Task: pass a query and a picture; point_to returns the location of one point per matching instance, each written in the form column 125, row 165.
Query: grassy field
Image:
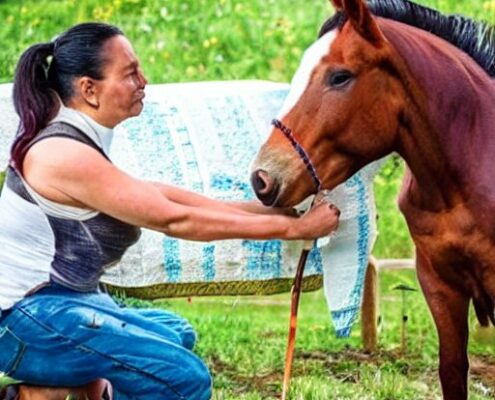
column 243, row 339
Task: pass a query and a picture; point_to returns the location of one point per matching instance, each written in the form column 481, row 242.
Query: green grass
column 243, row 340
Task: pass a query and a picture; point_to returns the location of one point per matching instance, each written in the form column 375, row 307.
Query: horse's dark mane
column 473, row 37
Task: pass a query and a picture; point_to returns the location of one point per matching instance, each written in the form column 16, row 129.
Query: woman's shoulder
column 60, row 129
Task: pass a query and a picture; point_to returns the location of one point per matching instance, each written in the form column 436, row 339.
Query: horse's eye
column 340, row 79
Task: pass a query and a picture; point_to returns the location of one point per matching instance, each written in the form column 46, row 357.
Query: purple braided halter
column 302, row 153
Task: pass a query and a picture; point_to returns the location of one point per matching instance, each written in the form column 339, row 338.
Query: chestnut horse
column 392, row 76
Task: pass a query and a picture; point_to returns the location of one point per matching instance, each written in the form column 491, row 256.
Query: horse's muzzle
column 265, row 187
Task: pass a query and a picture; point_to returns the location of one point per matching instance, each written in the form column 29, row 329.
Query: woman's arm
column 186, row 197
column 73, row 173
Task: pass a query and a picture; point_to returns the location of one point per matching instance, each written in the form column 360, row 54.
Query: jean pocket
column 11, row 351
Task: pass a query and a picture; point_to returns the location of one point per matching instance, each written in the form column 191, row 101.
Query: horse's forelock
column 334, row 22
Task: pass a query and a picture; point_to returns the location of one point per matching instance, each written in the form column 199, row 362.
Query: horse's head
column 342, row 110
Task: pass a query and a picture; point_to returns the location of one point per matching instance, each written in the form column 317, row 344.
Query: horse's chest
column 451, row 237
column 454, row 249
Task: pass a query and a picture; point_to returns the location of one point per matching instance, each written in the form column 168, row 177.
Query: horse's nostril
column 265, row 187
column 261, row 181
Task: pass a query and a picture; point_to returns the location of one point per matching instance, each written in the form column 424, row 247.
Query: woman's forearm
column 208, row 224
column 255, row 207
column 186, row 197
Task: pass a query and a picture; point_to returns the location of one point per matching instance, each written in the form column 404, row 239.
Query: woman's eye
column 340, row 79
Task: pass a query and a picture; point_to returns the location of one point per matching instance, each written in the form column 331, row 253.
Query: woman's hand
column 321, row 220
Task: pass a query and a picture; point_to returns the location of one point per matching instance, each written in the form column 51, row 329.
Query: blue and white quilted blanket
column 203, row 136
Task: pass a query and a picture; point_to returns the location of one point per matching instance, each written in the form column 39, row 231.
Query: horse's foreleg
column 450, row 311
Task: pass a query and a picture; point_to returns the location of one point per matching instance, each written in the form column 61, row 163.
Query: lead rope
column 308, row 245
column 294, row 306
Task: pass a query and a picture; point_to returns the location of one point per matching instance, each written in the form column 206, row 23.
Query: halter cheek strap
column 302, row 153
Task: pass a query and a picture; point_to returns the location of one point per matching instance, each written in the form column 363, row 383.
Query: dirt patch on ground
column 267, row 384
column 483, row 368
column 344, row 365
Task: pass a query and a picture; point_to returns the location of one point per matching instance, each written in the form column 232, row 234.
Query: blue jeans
column 59, row 337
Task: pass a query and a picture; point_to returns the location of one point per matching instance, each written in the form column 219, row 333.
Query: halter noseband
column 302, row 153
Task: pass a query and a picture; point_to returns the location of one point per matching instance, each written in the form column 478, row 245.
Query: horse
column 391, row 76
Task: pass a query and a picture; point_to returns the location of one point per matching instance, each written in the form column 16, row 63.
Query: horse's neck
column 453, row 140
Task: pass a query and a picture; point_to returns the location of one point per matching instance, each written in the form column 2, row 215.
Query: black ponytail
column 34, row 101
column 47, row 69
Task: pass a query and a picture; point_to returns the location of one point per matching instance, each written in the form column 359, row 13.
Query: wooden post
column 369, row 308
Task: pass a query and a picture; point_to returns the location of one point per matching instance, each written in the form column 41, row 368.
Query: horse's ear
column 361, row 19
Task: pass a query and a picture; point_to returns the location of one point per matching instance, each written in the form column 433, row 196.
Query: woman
column 67, row 212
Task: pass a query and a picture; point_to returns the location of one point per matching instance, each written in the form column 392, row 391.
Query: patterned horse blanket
column 203, row 136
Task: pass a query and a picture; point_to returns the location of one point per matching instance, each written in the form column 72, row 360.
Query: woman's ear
column 88, row 91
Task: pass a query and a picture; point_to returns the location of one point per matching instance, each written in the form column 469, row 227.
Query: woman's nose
column 142, row 79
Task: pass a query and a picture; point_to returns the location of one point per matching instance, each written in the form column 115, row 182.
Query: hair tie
column 54, row 43
column 53, row 46
column 50, row 48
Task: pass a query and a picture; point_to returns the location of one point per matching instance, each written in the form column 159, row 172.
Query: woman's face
column 121, row 91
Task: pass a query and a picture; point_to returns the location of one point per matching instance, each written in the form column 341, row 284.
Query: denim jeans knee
column 81, row 337
column 11, row 351
column 199, row 386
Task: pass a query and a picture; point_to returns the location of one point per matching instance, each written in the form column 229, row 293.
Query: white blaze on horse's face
column 342, row 112
column 311, row 58
column 273, row 170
